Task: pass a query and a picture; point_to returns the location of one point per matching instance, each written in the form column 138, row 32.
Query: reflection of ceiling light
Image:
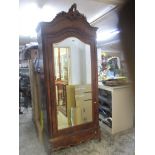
column 102, row 36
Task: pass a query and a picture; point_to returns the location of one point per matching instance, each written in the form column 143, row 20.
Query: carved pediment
column 72, row 15
column 64, row 22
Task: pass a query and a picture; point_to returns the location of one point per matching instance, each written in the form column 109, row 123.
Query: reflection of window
column 61, row 63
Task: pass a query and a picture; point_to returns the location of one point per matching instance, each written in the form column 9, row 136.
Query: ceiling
column 31, row 12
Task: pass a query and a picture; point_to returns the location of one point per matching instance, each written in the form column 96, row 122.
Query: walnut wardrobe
column 67, row 71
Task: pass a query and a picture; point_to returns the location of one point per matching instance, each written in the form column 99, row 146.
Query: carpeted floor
column 119, row 144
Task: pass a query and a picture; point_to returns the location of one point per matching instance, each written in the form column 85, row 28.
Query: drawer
column 80, row 103
column 85, row 96
column 82, row 89
column 86, row 111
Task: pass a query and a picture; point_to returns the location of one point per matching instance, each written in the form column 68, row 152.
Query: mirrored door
column 72, row 60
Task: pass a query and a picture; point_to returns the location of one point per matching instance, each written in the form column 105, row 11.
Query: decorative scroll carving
column 73, row 8
column 72, row 14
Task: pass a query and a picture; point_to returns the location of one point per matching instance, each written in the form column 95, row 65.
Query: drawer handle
column 88, row 100
column 88, row 92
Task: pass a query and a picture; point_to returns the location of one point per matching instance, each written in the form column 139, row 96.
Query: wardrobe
column 67, row 70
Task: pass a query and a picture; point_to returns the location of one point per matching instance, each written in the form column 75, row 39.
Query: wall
column 80, row 63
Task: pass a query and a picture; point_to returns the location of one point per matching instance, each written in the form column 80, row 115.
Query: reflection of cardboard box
column 86, row 110
column 82, row 113
column 76, row 117
column 79, row 105
column 83, row 97
column 82, row 88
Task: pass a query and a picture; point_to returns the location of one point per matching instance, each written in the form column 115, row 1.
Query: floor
column 120, row 144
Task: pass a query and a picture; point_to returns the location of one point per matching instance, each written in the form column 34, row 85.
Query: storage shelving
column 118, row 106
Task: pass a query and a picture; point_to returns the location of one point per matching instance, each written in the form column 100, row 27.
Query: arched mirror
column 72, row 64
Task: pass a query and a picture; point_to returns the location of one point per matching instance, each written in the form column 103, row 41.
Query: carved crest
column 72, row 13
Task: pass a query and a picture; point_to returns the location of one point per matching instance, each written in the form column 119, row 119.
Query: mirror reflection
column 112, row 69
column 72, row 63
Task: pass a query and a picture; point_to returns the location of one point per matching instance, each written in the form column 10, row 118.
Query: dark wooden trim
column 75, row 138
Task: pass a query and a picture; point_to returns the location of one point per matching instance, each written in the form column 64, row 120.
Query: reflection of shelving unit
column 24, row 71
column 117, row 103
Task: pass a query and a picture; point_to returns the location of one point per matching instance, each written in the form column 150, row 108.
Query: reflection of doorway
column 61, row 63
column 61, row 55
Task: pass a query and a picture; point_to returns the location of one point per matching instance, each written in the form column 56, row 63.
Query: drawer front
column 81, row 114
column 82, row 89
column 86, row 111
column 80, row 103
column 84, row 96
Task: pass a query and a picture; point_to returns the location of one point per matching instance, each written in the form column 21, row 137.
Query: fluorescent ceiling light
column 103, row 36
column 48, row 13
column 101, row 13
column 30, row 15
column 28, row 19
